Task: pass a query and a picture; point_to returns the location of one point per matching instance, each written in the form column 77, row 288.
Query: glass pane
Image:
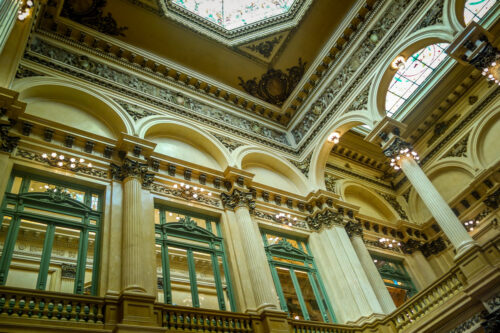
column 291, row 299
column 224, row 282
column 53, row 214
column 159, row 274
column 61, row 262
column 186, row 241
column 323, row 299
column 290, row 261
column 89, row 265
column 173, row 217
column 476, row 9
column 205, row 279
column 94, row 201
column 157, row 216
column 179, row 277
column 4, row 228
column 36, row 186
column 25, row 264
column 16, row 185
column 308, row 295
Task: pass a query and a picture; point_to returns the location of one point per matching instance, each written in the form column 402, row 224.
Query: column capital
column 132, row 168
column 396, row 146
column 238, row 198
column 7, row 142
column 325, row 219
column 354, row 229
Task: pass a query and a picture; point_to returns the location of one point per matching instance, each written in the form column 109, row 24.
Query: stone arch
column 76, row 105
column 185, row 142
column 485, row 137
column 450, row 177
column 321, row 147
column 271, row 170
column 369, row 202
column 406, row 48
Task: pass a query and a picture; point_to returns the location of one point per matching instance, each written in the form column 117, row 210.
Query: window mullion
column 45, row 260
column 296, row 285
column 277, row 285
column 81, row 262
column 317, row 295
column 167, row 288
column 192, row 279
column 228, row 280
column 218, row 282
column 8, row 248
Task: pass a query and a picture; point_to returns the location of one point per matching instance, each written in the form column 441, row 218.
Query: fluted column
column 354, row 231
column 420, row 269
column 8, row 17
column 135, row 241
column 253, row 247
column 438, row 207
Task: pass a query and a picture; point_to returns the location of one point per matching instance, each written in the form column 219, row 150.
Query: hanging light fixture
column 334, row 137
column 69, row 163
column 24, row 10
column 191, row 192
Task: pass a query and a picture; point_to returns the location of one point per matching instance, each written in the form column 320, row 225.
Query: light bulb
column 44, row 155
column 53, row 155
column 209, row 194
column 290, row 224
column 195, row 188
column 60, row 164
column 61, row 157
column 72, row 165
column 195, row 195
column 175, row 185
column 187, row 186
column 72, row 160
column 82, row 160
column 89, row 165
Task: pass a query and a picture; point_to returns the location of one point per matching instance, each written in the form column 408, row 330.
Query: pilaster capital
column 396, row 146
column 354, row 229
column 325, row 219
column 238, row 198
column 7, row 142
column 131, row 168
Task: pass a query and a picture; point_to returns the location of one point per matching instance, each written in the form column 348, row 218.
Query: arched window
column 476, row 9
column 415, row 72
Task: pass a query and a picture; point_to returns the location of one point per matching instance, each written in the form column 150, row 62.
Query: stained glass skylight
column 476, row 9
column 232, row 14
column 417, row 69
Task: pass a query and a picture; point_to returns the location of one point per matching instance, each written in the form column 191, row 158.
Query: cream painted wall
column 68, row 115
column 268, row 176
column 489, row 142
column 369, row 205
column 185, row 151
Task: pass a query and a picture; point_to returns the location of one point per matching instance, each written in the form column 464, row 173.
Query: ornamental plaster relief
column 147, row 91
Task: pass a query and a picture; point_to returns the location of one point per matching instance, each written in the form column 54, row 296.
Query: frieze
column 441, row 127
column 433, row 16
column 360, row 103
column 325, row 219
column 275, row 85
column 135, row 111
column 354, row 174
column 131, row 168
column 177, row 192
column 354, row 229
column 229, row 143
column 331, row 183
column 272, row 217
column 68, row 271
column 37, row 157
column 340, row 80
column 238, row 198
column 7, row 142
column 23, row 72
column 381, row 245
column 459, row 149
column 265, row 48
column 147, row 91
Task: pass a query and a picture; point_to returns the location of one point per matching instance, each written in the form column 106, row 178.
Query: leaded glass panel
column 476, row 9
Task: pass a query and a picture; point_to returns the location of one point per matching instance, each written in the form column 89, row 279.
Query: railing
column 428, row 299
column 203, row 320
column 300, row 326
column 46, row 305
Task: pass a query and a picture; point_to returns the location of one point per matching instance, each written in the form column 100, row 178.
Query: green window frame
column 285, row 252
column 193, row 233
column 394, row 274
column 54, row 206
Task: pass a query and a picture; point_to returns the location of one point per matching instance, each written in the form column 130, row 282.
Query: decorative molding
column 238, row 198
column 470, row 325
column 131, row 168
column 157, row 95
column 331, row 183
column 433, row 16
column 68, row 271
column 91, row 14
column 356, row 175
column 265, row 48
column 229, row 143
column 491, row 322
column 459, row 149
column 380, row 245
column 275, row 86
column 360, row 103
column 396, row 146
column 37, row 157
column 354, row 229
column 272, row 217
column 493, row 303
column 392, row 200
column 180, row 193
column 135, row 111
column 7, row 142
column 325, row 219
column 441, row 127
column 23, row 72
column 493, row 200
column 304, row 165
column 433, row 247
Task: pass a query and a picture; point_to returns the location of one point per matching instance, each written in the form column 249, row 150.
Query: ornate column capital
column 238, row 198
column 131, row 168
column 394, row 149
column 7, row 142
column 354, row 229
column 325, row 219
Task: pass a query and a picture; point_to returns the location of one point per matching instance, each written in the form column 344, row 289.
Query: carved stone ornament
column 275, row 86
column 395, row 204
column 354, row 229
column 491, row 322
column 7, row 142
column 303, row 166
column 90, row 13
column 229, row 143
column 265, row 48
column 136, row 112
column 440, row 128
column 434, row 247
column 68, row 271
column 180, row 193
column 433, row 16
column 238, row 198
column 459, row 149
column 330, row 183
column 397, row 145
column 493, row 200
column 131, row 168
column 487, row 55
column 58, row 194
column 326, row 219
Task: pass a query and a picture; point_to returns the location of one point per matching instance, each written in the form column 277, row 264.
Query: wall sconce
column 398, row 63
column 61, row 161
column 334, row 137
column 470, row 225
column 285, row 219
column 24, row 10
column 492, row 72
column 389, row 242
column 191, row 192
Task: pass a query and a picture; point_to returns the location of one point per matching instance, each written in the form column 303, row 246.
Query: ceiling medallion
column 244, row 23
column 275, row 86
column 90, row 14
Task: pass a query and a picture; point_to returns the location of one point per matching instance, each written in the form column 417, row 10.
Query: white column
column 256, row 259
column 438, row 207
column 420, row 269
column 8, row 17
column 373, row 275
column 133, row 277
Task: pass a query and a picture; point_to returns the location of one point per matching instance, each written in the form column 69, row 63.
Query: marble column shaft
column 437, row 206
column 420, row 269
column 373, row 275
column 258, row 267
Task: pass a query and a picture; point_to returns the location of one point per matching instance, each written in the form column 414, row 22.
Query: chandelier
column 24, row 10
column 406, row 152
column 492, row 72
column 387, row 242
column 285, row 219
column 470, row 225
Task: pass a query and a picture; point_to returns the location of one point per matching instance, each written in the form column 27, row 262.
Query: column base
column 137, row 309
column 267, row 306
column 465, row 247
column 274, row 321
